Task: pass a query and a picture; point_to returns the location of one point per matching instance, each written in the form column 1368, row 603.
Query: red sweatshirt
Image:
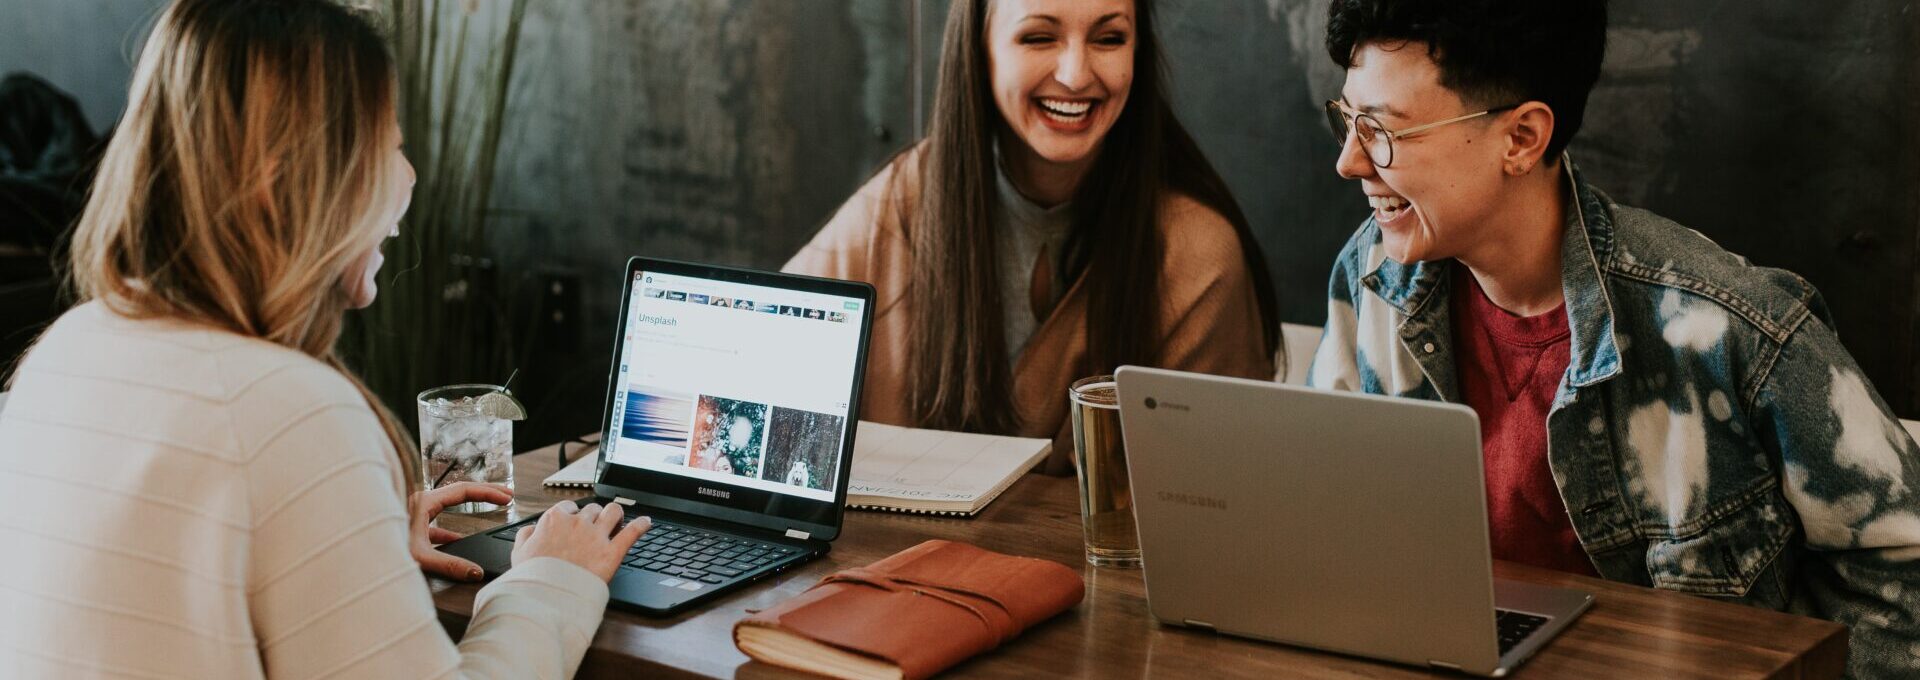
column 1509, row 368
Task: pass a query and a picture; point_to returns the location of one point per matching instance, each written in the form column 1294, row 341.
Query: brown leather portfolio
column 910, row 615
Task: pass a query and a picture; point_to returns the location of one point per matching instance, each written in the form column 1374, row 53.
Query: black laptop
column 730, row 416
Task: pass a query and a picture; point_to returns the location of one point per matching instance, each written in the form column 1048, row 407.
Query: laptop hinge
column 1190, row 623
column 623, row 501
column 1442, row 664
column 796, row 533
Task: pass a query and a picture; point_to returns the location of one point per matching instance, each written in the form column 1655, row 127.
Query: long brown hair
column 248, row 175
column 960, row 376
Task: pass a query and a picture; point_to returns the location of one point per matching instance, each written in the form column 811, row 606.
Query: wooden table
column 1631, row 632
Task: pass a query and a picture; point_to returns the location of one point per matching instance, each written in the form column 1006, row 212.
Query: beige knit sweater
column 181, row 502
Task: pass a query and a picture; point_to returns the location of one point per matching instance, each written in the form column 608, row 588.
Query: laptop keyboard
column 1514, row 627
column 699, row 555
column 694, row 555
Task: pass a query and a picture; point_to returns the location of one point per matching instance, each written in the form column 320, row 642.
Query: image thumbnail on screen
column 727, row 436
column 659, row 421
column 803, row 448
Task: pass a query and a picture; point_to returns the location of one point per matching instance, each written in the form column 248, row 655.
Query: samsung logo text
column 1194, row 500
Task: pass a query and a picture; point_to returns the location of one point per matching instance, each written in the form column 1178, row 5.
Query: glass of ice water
column 464, row 438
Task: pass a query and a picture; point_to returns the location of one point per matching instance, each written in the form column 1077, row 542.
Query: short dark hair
column 1491, row 52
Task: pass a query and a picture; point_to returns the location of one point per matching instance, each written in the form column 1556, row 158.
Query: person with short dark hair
column 1653, row 409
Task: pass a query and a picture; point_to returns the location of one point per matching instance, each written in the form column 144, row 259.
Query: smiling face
column 1443, row 185
column 1061, row 73
column 359, row 283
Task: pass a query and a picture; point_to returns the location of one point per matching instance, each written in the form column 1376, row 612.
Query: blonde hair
column 247, row 177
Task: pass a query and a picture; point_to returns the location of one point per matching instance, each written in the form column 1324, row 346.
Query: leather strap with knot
column 997, row 619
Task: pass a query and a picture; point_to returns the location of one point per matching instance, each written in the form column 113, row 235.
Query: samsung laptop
column 729, row 420
column 1344, row 522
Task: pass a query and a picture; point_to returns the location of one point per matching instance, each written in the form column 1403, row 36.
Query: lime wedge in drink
column 501, row 405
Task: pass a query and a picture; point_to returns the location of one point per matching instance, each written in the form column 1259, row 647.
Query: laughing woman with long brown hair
column 191, row 485
column 1056, row 222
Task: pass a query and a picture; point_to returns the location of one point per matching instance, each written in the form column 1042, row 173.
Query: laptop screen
column 726, row 382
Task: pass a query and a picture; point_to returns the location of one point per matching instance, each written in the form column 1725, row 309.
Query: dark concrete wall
column 713, row 130
column 86, row 47
column 1786, row 132
column 727, row 130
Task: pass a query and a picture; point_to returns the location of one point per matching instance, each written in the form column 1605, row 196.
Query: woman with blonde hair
column 191, row 483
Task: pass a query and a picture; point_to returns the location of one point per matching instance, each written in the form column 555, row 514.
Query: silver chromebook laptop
column 1344, row 522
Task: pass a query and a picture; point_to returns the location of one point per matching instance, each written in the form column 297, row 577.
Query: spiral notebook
column 903, row 469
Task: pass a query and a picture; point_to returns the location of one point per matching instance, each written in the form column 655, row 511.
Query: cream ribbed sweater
column 180, row 502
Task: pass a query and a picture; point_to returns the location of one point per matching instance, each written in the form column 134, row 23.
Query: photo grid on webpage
column 736, row 384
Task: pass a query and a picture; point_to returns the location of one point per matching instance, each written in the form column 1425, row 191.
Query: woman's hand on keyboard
column 590, row 537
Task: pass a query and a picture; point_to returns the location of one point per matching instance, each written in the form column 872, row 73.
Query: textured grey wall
column 727, row 130
column 714, row 130
column 85, row 47
column 1786, row 132
column 1769, row 126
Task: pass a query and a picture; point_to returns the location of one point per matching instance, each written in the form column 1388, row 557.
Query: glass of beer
column 1100, row 461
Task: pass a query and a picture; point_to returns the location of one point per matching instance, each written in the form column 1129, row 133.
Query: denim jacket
column 1710, row 435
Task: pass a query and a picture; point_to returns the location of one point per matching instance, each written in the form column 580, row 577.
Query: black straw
column 443, row 474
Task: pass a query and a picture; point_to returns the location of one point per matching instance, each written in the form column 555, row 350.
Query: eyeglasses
column 1376, row 138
